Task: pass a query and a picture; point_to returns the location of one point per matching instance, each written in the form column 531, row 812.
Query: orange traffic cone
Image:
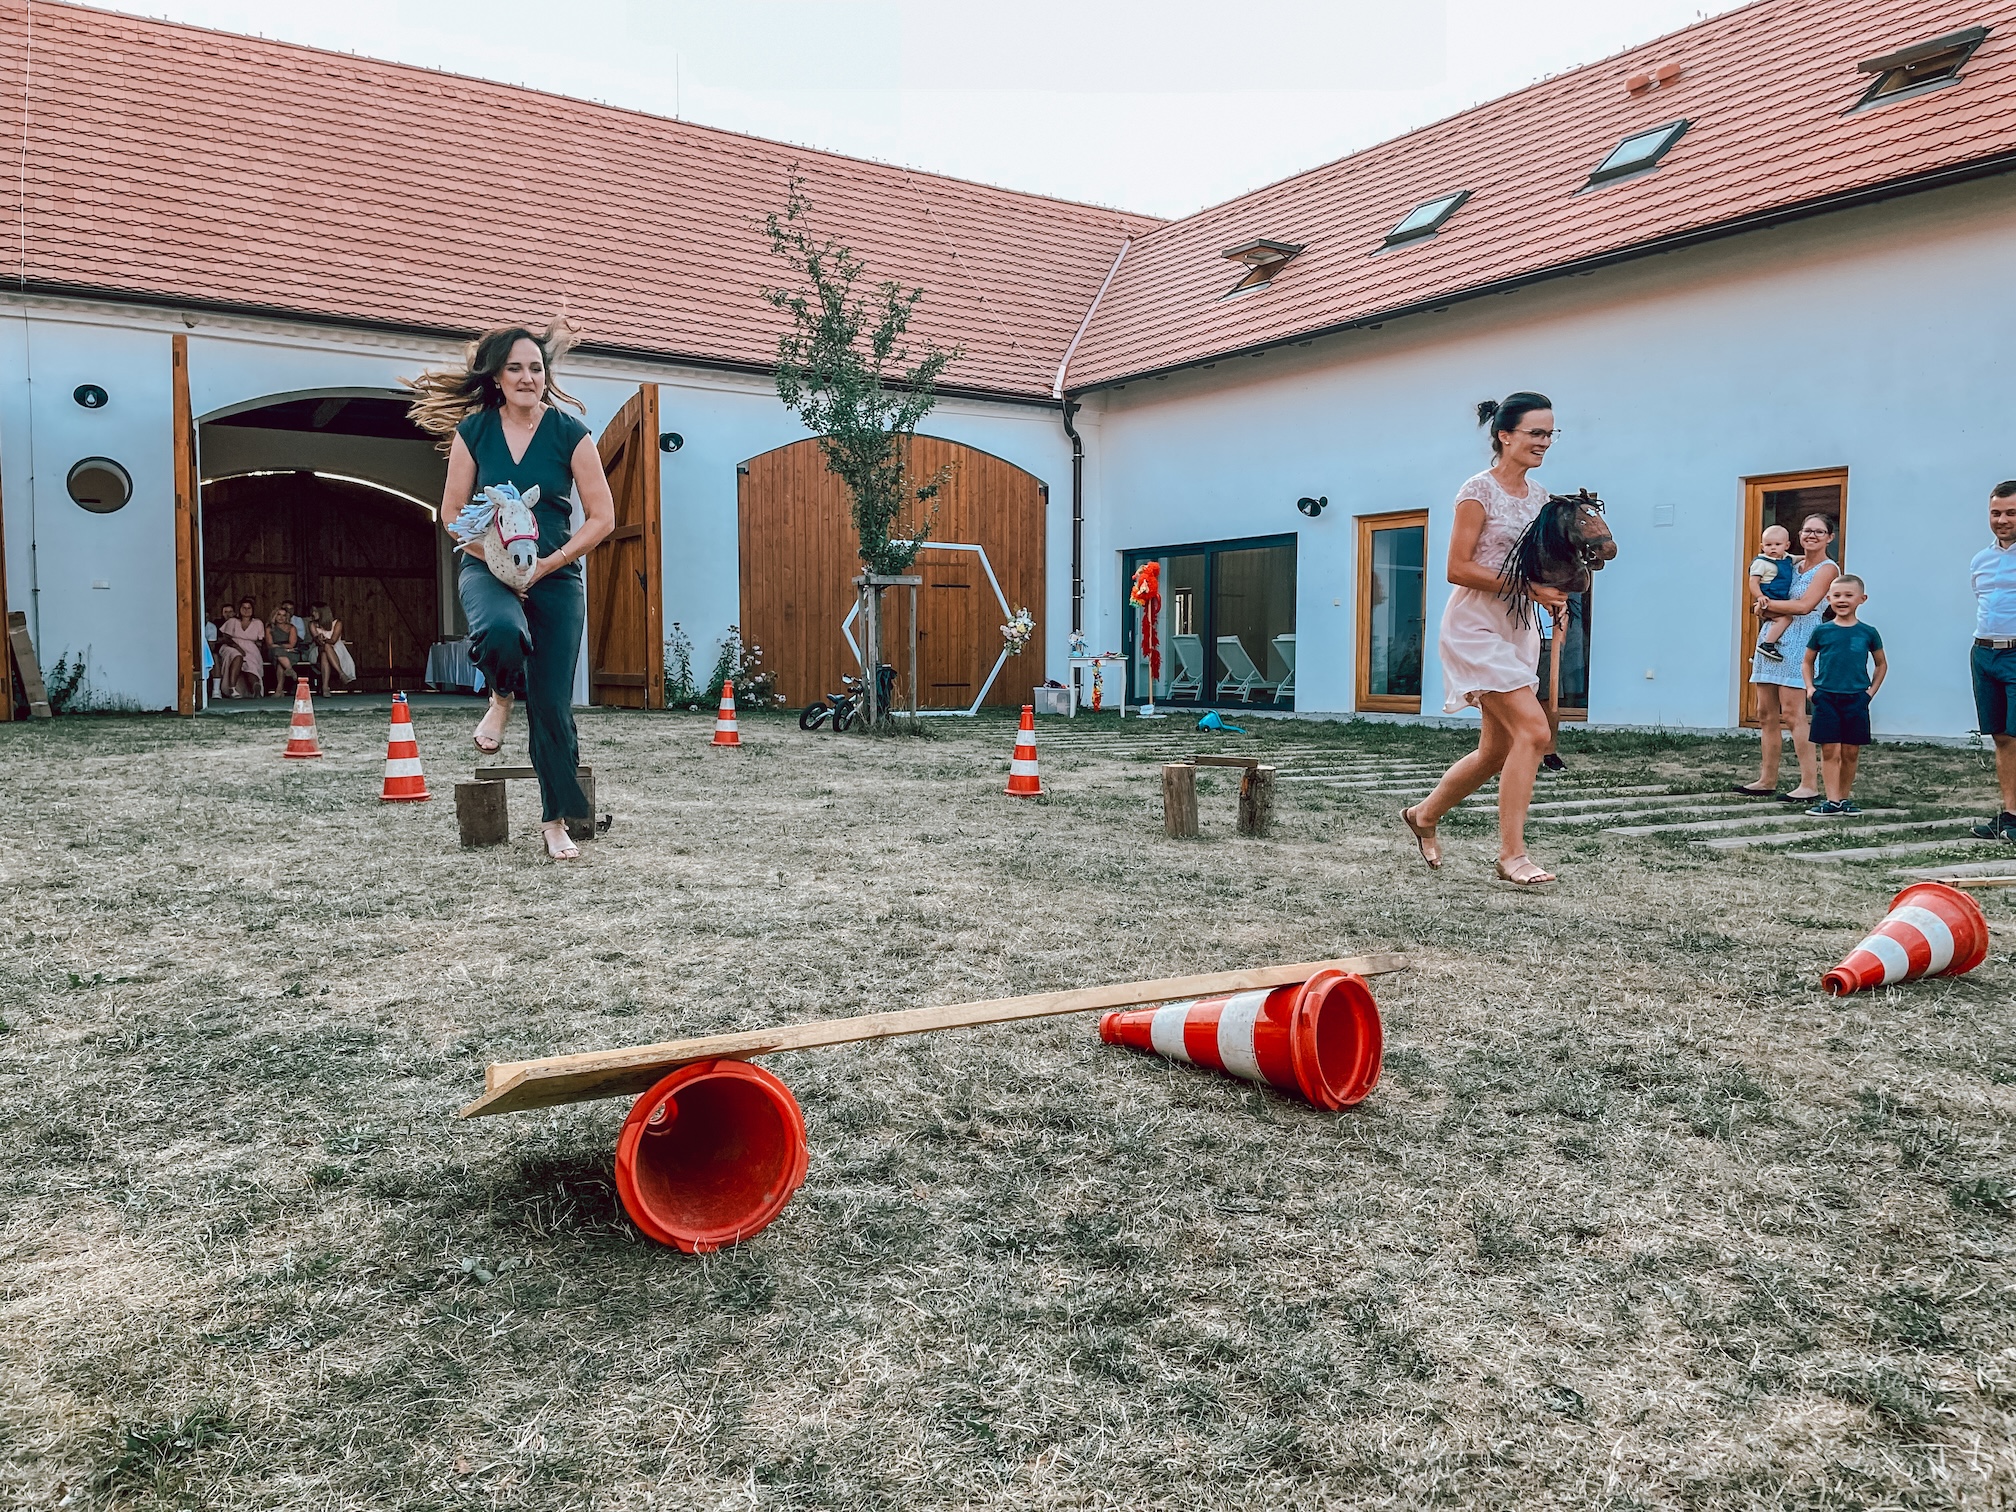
column 1319, row 1040
column 711, row 1155
column 1024, row 781
column 301, row 743
column 404, row 781
column 1931, row 930
column 725, row 733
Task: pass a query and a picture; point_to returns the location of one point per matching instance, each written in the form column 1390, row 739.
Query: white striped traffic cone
column 1319, row 1040
column 404, row 781
column 301, row 742
column 725, row 733
column 1931, row 930
column 1024, row 781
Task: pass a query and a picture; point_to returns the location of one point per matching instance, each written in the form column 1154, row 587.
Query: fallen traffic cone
column 1931, row 930
column 725, row 733
column 1024, row 781
column 301, row 743
column 711, row 1155
column 1319, row 1040
column 404, row 781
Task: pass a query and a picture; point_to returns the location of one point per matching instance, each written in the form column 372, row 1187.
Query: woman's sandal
column 496, row 744
column 1532, row 876
column 567, row 851
column 1424, row 840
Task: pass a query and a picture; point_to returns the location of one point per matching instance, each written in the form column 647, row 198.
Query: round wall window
column 100, row 485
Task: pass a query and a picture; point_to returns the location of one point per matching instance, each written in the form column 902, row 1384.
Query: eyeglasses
column 1538, row 435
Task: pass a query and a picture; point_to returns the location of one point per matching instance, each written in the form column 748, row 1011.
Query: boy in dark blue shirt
column 1839, row 656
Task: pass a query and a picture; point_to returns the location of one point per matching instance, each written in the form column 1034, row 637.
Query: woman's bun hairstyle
column 1505, row 414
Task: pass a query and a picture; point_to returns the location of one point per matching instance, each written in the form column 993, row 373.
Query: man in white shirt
column 1994, row 570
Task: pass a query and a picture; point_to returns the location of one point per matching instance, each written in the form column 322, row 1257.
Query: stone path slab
column 1734, row 842
column 1878, row 852
column 1964, row 869
column 1641, row 813
column 1748, row 820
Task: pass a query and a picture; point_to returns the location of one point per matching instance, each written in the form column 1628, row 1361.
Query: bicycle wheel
column 814, row 716
column 842, row 717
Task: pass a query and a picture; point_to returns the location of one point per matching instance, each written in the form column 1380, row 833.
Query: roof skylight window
column 1924, row 65
column 1263, row 260
column 1637, row 153
column 1427, row 218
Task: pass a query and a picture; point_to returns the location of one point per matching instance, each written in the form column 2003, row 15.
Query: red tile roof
column 1768, row 91
column 170, row 162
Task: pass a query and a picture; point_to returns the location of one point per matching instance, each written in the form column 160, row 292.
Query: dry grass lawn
column 1636, row 1218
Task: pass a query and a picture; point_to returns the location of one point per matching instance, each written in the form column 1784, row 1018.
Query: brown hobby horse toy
column 1567, row 543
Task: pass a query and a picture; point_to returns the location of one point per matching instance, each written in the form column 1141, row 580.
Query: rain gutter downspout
column 1069, row 408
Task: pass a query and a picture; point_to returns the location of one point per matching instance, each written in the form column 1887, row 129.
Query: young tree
column 846, row 369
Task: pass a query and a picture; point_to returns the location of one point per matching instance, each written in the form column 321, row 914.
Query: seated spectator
column 283, row 640
column 244, row 634
column 332, row 657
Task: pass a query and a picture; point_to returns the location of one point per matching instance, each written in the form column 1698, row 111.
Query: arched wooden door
column 799, row 558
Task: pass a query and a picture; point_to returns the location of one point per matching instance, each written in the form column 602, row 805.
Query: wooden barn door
column 188, row 540
column 626, row 640
column 799, row 555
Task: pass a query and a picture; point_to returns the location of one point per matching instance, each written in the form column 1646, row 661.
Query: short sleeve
column 1875, row 638
column 571, row 431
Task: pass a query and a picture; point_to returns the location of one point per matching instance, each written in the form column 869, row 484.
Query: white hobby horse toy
column 498, row 527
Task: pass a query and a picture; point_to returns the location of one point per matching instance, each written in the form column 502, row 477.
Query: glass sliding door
column 1226, row 626
column 1392, row 610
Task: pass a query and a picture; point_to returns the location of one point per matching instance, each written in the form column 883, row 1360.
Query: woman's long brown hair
column 443, row 400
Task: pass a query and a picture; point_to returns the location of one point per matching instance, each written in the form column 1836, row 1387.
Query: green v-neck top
column 548, row 463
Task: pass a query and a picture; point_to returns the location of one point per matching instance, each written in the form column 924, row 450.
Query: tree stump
column 1256, row 800
column 584, row 829
column 1179, row 801
column 481, row 813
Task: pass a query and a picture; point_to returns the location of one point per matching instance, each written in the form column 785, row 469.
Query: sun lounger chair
column 1241, row 676
column 1187, row 681
column 1282, row 649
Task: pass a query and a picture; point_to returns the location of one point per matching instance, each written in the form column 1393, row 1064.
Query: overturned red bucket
column 1318, row 1040
column 711, row 1155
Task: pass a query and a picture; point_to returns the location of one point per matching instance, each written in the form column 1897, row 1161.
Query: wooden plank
column 188, row 541
column 512, row 1086
column 524, row 774
column 1223, row 761
column 24, row 661
column 1973, row 882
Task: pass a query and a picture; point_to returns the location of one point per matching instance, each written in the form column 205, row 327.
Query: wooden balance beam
column 514, row 1086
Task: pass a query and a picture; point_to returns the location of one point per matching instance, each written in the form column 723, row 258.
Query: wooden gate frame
column 1755, row 486
column 635, row 426
column 188, row 536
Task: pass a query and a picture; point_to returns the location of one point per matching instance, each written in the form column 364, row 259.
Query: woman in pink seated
column 243, row 638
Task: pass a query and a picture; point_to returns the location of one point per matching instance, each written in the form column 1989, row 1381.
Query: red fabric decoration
column 1146, row 594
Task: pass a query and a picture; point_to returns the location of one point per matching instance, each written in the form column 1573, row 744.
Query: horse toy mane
column 1567, row 542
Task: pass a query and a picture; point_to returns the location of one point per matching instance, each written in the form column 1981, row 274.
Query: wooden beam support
column 513, row 1086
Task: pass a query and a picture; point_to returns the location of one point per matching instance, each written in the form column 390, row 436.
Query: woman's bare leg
column 1771, row 733
column 1792, row 701
column 1524, row 723
column 1467, row 775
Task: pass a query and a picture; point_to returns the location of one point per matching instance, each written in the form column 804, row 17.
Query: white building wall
column 1879, row 339
column 56, row 551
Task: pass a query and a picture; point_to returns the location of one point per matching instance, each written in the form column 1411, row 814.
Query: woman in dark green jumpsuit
column 502, row 426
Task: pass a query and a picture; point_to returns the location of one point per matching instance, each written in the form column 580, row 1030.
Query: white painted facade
column 59, row 555
column 1881, row 339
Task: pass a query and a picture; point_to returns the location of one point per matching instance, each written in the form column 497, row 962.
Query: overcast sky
column 1161, row 106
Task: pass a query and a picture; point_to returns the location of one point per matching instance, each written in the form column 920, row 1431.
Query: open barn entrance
column 332, row 498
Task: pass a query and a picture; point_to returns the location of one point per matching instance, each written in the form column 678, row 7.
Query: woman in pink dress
column 1490, row 658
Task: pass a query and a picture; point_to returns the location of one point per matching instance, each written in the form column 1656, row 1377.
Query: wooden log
column 481, row 813
column 1179, row 801
column 512, row 1086
column 1256, row 800
column 32, row 688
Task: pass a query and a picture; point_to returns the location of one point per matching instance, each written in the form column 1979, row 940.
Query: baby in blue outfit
column 1771, row 574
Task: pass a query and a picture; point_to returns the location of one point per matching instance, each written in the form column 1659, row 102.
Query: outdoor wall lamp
column 670, row 441
column 90, row 396
column 1312, row 507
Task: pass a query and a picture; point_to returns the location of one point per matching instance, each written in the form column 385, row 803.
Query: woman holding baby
column 499, row 423
column 1781, row 680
